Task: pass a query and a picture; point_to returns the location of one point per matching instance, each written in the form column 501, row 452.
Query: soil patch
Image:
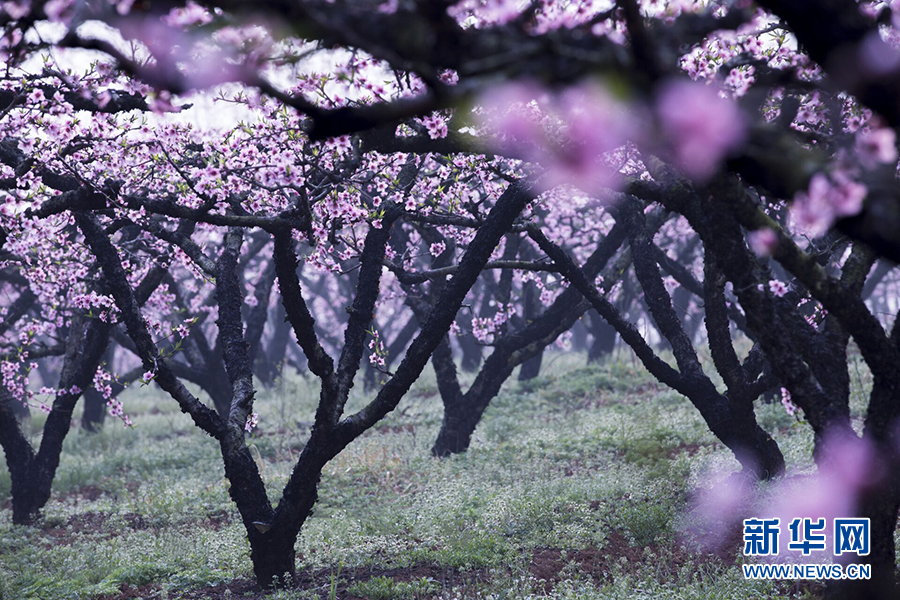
column 599, row 564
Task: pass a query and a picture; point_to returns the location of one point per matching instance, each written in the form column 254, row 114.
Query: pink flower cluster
column 376, row 359
column 567, row 134
column 484, row 328
column 788, row 404
column 702, row 128
column 252, row 422
column 829, row 197
column 848, row 466
column 778, row 288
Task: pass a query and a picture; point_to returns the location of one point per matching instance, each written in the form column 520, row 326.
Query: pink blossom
column 567, row 134
column 436, row 126
column 788, row 404
column 816, row 209
column 389, row 7
column 877, row 59
column 58, row 10
column 162, row 103
column 437, row 248
column 495, row 12
column 848, row 466
column 191, row 14
column 17, row 10
column 876, row 146
column 702, row 127
column 252, row 421
column 763, row 242
column 778, row 288
column 123, row 7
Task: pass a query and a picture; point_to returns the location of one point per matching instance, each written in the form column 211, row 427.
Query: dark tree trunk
column 274, row 561
column 730, row 417
column 257, row 315
column 270, row 362
column 580, row 336
column 94, row 411
column 32, row 472
column 881, row 509
column 20, row 412
column 604, row 335
column 456, row 431
column 681, row 300
column 19, row 461
column 462, row 413
column 471, row 353
column 531, row 368
column 94, row 404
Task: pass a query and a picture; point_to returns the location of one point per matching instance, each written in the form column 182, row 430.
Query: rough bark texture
column 463, row 412
column 730, row 419
column 604, row 337
column 812, row 364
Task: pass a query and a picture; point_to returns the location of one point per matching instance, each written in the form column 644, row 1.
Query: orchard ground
column 579, row 484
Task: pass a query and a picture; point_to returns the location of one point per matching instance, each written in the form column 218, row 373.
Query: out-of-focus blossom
column 763, row 241
column 877, row 146
column 123, row 7
column 827, row 199
column 162, row 103
column 848, row 467
column 569, row 135
column 16, row 10
column 487, row 12
column 876, row 58
column 389, row 7
column 701, row 127
column 718, row 508
column 59, row 10
column 191, row 14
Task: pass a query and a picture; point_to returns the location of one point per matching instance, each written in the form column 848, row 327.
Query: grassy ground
column 577, row 485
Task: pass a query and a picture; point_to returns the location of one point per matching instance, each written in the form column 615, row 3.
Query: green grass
column 591, row 468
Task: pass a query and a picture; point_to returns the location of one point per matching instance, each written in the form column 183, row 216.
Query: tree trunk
column 456, row 431
column 94, row 411
column 19, row 460
column 579, row 336
column 881, row 507
column 21, row 412
column 531, row 368
column 604, row 335
column 471, row 353
column 270, row 362
column 274, row 560
column 463, row 412
column 882, row 512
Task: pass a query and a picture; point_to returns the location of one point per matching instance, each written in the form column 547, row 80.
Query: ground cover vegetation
column 573, row 487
